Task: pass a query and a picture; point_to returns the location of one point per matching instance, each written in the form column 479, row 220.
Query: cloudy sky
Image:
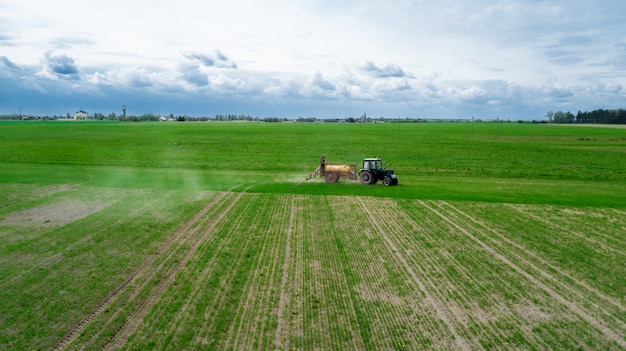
column 323, row 58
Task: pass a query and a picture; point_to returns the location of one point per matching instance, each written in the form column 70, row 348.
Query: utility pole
column 498, row 127
column 472, row 127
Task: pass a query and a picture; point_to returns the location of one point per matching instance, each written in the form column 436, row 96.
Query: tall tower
column 124, row 111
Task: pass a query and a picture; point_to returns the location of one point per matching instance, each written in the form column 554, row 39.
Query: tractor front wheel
column 387, row 181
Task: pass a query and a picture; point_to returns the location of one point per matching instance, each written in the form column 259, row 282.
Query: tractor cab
column 373, row 171
column 373, row 164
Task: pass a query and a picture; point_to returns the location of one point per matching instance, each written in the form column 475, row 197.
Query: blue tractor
column 373, row 171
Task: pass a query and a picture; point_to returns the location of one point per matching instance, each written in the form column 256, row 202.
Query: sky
column 515, row 59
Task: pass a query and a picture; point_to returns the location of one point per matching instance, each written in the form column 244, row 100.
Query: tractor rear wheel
column 374, row 179
column 366, row 177
column 331, row 177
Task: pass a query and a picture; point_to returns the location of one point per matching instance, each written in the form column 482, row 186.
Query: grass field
column 188, row 236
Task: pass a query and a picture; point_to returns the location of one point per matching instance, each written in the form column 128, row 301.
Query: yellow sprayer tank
column 343, row 169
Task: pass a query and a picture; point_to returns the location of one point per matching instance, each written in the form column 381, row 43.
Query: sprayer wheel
column 331, row 177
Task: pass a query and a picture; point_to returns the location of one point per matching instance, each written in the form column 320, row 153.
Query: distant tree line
column 594, row 117
column 233, row 117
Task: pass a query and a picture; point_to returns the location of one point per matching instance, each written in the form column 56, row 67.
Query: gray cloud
column 8, row 63
column 569, row 50
column 139, row 81
column 319, row 81
column 216, row 59
column 204, row 59
column 578, row 40
column 68, row 42
column 617, row 63
column 61, row 65
column 5, row 40
column 564, row 57
column 193, row 75
column 390, row 70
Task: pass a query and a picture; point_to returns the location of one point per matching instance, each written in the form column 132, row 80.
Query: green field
column 188, row 236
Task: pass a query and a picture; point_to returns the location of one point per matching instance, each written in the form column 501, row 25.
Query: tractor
column 373, row 171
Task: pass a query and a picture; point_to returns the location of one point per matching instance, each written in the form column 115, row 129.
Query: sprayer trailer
column 332, row 172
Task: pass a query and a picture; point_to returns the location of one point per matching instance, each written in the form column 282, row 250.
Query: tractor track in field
column 180, row 238
column 214, row 309
column 201, row 278
column 142, row 270
column 281, row 339
column 597, row 243
column 463, row 308
column 573, row 307
column 433, row 301
column 352, row 317
column 614, row 303
column 137, row 316
column 248, row 325
column 573, row 288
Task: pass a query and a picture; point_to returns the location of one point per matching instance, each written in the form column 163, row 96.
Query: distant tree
column 563, row 117
column 148, row 117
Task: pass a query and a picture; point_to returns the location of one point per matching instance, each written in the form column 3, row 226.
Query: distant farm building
column 81, row 115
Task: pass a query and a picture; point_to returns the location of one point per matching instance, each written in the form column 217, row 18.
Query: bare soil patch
column 54, row 214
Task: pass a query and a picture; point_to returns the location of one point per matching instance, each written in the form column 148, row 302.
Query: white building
column 81, row 115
